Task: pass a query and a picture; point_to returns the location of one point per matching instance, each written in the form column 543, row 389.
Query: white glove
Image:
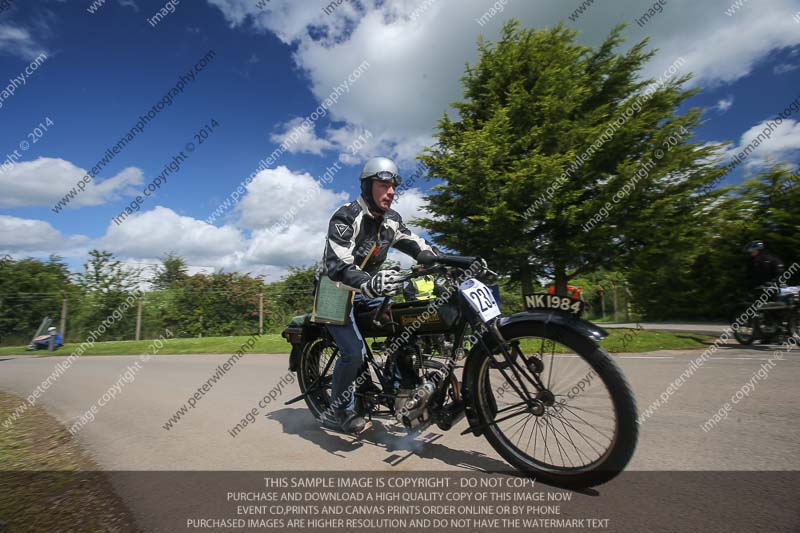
column 384, row 283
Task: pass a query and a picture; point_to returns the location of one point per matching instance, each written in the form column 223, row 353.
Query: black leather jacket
column 763, row 269
column 352, row 233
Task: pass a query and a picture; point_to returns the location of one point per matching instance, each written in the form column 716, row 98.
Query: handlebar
column 405, row 277
column 428, row 259
column 433, row 263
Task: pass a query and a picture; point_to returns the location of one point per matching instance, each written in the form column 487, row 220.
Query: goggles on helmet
column 385, row 175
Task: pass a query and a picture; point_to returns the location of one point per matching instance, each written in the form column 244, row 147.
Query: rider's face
column 383, row 193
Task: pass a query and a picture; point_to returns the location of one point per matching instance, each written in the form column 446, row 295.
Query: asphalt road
column 762, row 433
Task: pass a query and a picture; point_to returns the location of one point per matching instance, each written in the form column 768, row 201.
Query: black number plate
column 552, row 301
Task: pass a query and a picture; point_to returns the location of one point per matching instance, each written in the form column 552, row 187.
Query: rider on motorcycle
column 360, row 231
column 764, row 268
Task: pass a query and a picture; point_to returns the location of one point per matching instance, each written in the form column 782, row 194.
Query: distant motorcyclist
column 763, row 268
column 362, row 232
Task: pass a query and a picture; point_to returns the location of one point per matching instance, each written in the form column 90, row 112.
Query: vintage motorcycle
column 536, row 384
column 773, row 321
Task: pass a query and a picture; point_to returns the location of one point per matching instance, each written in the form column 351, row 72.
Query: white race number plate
column 481, row 299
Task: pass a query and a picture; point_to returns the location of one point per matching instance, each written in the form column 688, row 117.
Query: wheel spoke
column 504, row 409
column 569, row 437
column 558, row 444
column 600, row 414
column 587, row 423
column 512, row 415
column 544, row 440
column 584, row 437
column 521, row 429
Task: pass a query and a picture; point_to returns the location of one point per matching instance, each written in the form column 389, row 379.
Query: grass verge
column 271, row 343
column 618, row 341
column 48, row 483
column 634, row 341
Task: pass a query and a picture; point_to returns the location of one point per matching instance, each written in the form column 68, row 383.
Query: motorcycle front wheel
column 579, row 431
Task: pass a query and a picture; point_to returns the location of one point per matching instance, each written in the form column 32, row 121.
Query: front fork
column 534, row 393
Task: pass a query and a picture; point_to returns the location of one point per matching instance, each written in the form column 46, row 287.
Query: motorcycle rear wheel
column 313, row 360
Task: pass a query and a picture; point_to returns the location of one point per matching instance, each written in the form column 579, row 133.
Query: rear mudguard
column 564, row 320
column 294, row 358
column 300, row 332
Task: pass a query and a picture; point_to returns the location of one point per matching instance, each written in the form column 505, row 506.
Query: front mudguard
column 561, row 319
column 566, row 320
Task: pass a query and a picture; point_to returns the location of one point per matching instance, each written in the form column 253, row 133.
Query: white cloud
column 24, row 236
column 783, row 68
column 45, row 181
column 356, row 144
column 295, row 245
column 300, row 140
column 278, row 195
column 19, row 42
column 416, row 62
column 782, row 144
column 282, row 222
column 411, row 206
column 286, row 217
column 129, row 3
column 724, row 104
column 155, row 233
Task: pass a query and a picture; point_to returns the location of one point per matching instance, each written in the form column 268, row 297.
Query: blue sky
column 271, row 68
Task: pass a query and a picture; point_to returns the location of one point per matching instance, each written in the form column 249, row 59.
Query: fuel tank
column 430, row 319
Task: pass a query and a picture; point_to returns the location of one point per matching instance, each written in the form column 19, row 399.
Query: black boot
column 346, row 422
column 353, row 423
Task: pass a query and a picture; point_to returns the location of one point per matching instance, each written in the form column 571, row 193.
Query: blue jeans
column 353, row 352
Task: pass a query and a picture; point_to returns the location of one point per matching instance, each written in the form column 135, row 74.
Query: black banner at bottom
column 440, row 501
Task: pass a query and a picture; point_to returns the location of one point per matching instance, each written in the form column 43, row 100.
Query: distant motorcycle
column 535, row 384
column 773, row 321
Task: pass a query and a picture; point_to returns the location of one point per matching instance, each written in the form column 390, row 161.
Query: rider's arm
column 339, row 250
column 405, row 240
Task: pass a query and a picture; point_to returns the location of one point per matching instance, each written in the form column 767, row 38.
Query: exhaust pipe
column 451, row 415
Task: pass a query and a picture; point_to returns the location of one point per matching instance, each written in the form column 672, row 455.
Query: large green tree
column 548, row 133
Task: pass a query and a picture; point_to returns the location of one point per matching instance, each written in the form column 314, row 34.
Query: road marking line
column 646, row 356
column 632, row 356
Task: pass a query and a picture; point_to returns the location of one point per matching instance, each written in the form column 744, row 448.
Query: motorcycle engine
column 411, row 405
column 416, row 386
column 767, row 323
